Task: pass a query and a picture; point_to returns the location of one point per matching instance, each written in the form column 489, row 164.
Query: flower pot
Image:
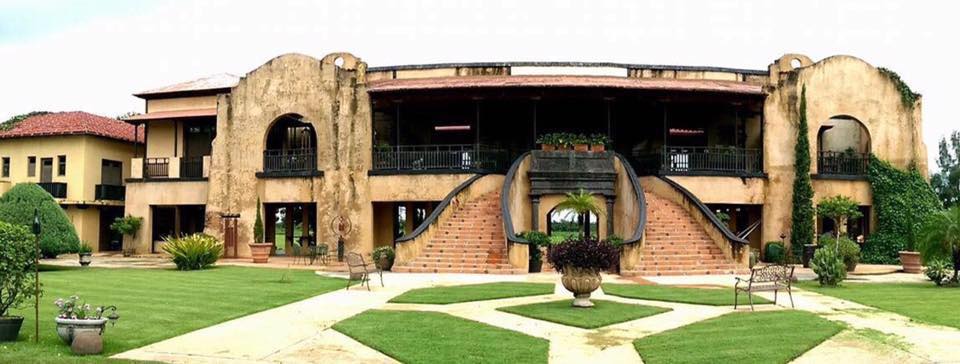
column 581, row 147
column 385, row 263
column 68, row 328
column 581, row 281
column 808, row 250
column 536, row 266
column 548, row 147
column 911, row 262
column 260, row 252
column 851, row 266
column 598, row 148
column 85, row 259
column 10, row 327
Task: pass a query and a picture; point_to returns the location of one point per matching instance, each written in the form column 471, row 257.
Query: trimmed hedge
column 58, row 235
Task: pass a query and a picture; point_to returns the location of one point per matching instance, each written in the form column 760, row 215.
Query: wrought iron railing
column 156, row 167
column 289, row 160
column 55, row 189
column 191, row 167
column 110, row 192
column 439, row 157
column 678, row 160
column 843, row 163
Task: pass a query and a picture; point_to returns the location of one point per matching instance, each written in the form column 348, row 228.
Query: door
column 111, row 172
column 110, row 240
column 46, row 170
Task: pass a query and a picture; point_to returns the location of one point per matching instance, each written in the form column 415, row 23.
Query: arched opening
column 568, row 224
column 291, row 146
column 843, row 147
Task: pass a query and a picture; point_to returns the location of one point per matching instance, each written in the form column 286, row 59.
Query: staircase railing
column 508, row 231
column 736, row 242
column 641, row 201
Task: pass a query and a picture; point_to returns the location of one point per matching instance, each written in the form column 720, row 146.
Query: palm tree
column 940, row 237
column 583, row 204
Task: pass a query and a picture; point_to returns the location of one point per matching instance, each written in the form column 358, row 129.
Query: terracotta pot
column 67, row 328
column 598, row 148
column 581, row 147
column 911, row 262
column 260, row 252
column 581, row 281
column 548, row 147
column 385, row 263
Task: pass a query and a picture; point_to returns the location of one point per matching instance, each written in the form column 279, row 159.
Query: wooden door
column 230, row 236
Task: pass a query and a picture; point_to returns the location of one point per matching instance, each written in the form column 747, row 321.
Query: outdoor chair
column 360, row 270
column 774, row 277
column 322, row 252
column 296, row 252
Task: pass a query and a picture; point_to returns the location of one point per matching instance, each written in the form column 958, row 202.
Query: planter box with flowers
column 580, row 262
column 577, row 142
column 75, row 317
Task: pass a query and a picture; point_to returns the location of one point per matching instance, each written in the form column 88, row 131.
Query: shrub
column 615, row 240
column 127, row 225
column 17, row 253
column 801, row 218
column 774, row 252
column 57, row 236
column 85, row 248
column 584, row 253
column 258, row 226
column 535, row 240
column 939, row 238
column 829, row 267
column 938, row 270
column 849, row 250
column 385, row 251
column 192, row 252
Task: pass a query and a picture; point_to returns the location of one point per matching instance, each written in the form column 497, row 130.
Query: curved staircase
column 471, row 240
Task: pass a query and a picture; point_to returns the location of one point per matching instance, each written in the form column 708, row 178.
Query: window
column 61, row 165
column 31, row 166
column 6, row 166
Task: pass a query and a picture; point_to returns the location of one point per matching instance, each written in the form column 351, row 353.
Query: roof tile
column 72, row 123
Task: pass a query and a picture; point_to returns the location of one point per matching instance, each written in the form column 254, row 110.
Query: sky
column 92, row 55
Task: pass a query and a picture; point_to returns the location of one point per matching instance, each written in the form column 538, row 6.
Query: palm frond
column 940, row 234
column 580, row 202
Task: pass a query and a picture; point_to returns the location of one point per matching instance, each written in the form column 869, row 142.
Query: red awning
column 438, row 83
column 173, row 114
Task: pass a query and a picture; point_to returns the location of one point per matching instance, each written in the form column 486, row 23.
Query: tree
column 16, row 119
column 128, row 225
column 939, row 238
column 946, row 182
column 583, row 204
column 16, row 266
column 258, row 226
column 58, row 236
column 801, row 220
column 839, row 209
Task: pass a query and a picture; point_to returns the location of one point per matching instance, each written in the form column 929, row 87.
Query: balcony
column 110, row 192
column 702, row 161
column 55, row 189
column 170, row 168
column 843, row 164
column 438, row 158
column 156, row 167
column 289, row 162
column 191, row 167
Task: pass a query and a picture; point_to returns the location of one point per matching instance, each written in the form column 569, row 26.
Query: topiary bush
column 58, row 235
column 193, row 252
column 849, row 250
column 17, row 253
column 902, row 201
column 774, row 252
column 829, row 267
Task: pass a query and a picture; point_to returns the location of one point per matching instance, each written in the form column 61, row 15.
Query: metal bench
column 360, row 270
column 773, row 277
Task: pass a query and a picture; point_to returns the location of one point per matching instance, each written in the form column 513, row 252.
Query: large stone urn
column 260, row 252
column 911, row 262
column 582, row 282
column 68, row 328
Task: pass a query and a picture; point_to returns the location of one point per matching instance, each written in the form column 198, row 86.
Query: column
column 610, row 200
column 535, row 213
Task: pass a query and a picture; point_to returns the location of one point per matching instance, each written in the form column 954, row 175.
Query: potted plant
column 384, row 256
column 535, row 240
column 127, row 225
column 259, row 250
column 580, row 262
column 75, row 316
column 564, row 141
column 85, row 252
column 598, row 143
column 17, row 254
column 548, row 142
column 580, row 143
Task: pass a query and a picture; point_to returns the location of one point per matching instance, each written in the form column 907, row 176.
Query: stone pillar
column 610, row 200
column 535, row 212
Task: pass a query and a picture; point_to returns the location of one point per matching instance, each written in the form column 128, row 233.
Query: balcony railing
column 289, row 160
column 439, row 157
column 704, row 161
column 842, row 163
column 156, row 167
column 110, row 192
column 56, row 189
column 191, row 167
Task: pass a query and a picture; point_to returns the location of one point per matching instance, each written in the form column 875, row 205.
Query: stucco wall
column 414, row 187
column 142, row 195
column 731, row 190
column 182, row 103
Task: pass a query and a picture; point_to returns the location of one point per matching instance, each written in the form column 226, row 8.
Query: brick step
column 461, row 270
column 689, row 272
column 449, row 260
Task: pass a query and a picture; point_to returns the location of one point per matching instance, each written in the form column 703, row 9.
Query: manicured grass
column 603, row 313
column 473, row 292
column 699, row 296
column 157, row 304
column 754, row 337
column 920, row 301
column 433, row 337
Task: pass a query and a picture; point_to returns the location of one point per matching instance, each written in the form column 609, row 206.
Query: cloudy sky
column 91, row 55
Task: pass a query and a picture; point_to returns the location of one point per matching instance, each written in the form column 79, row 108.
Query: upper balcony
column 56, row 189
column 702, row 161
column 170, row 168
column 450, row 158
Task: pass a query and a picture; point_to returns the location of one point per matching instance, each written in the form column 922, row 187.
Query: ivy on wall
column 907, row 96
column 801, row 231
column 902, row 200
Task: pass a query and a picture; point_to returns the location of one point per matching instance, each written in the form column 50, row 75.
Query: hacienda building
column 441, row 160
column 81, row 159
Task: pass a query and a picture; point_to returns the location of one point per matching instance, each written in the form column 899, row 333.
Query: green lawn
column 754, row 337
column 699, row 296
column 473, row 292
column 158, row 304
column 603, row 313
column 920, row 301
column 433, row 337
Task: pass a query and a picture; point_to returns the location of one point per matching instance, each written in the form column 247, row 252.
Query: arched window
column 843, row 146
column 291, row 146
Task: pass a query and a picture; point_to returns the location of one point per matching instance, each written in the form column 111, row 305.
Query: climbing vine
column 801, row 231
column 907, row 96
column 902, row 201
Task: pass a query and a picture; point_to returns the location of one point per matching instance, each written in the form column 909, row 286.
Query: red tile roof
column 563, row 81
column 213, row 82
column 72, row 123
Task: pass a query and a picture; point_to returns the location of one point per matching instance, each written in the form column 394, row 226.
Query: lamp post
column 36, row 276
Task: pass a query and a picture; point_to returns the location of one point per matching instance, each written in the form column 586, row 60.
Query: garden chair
column 296, row 252
column 774, row 277
column 322, row 252
column 360, row 269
